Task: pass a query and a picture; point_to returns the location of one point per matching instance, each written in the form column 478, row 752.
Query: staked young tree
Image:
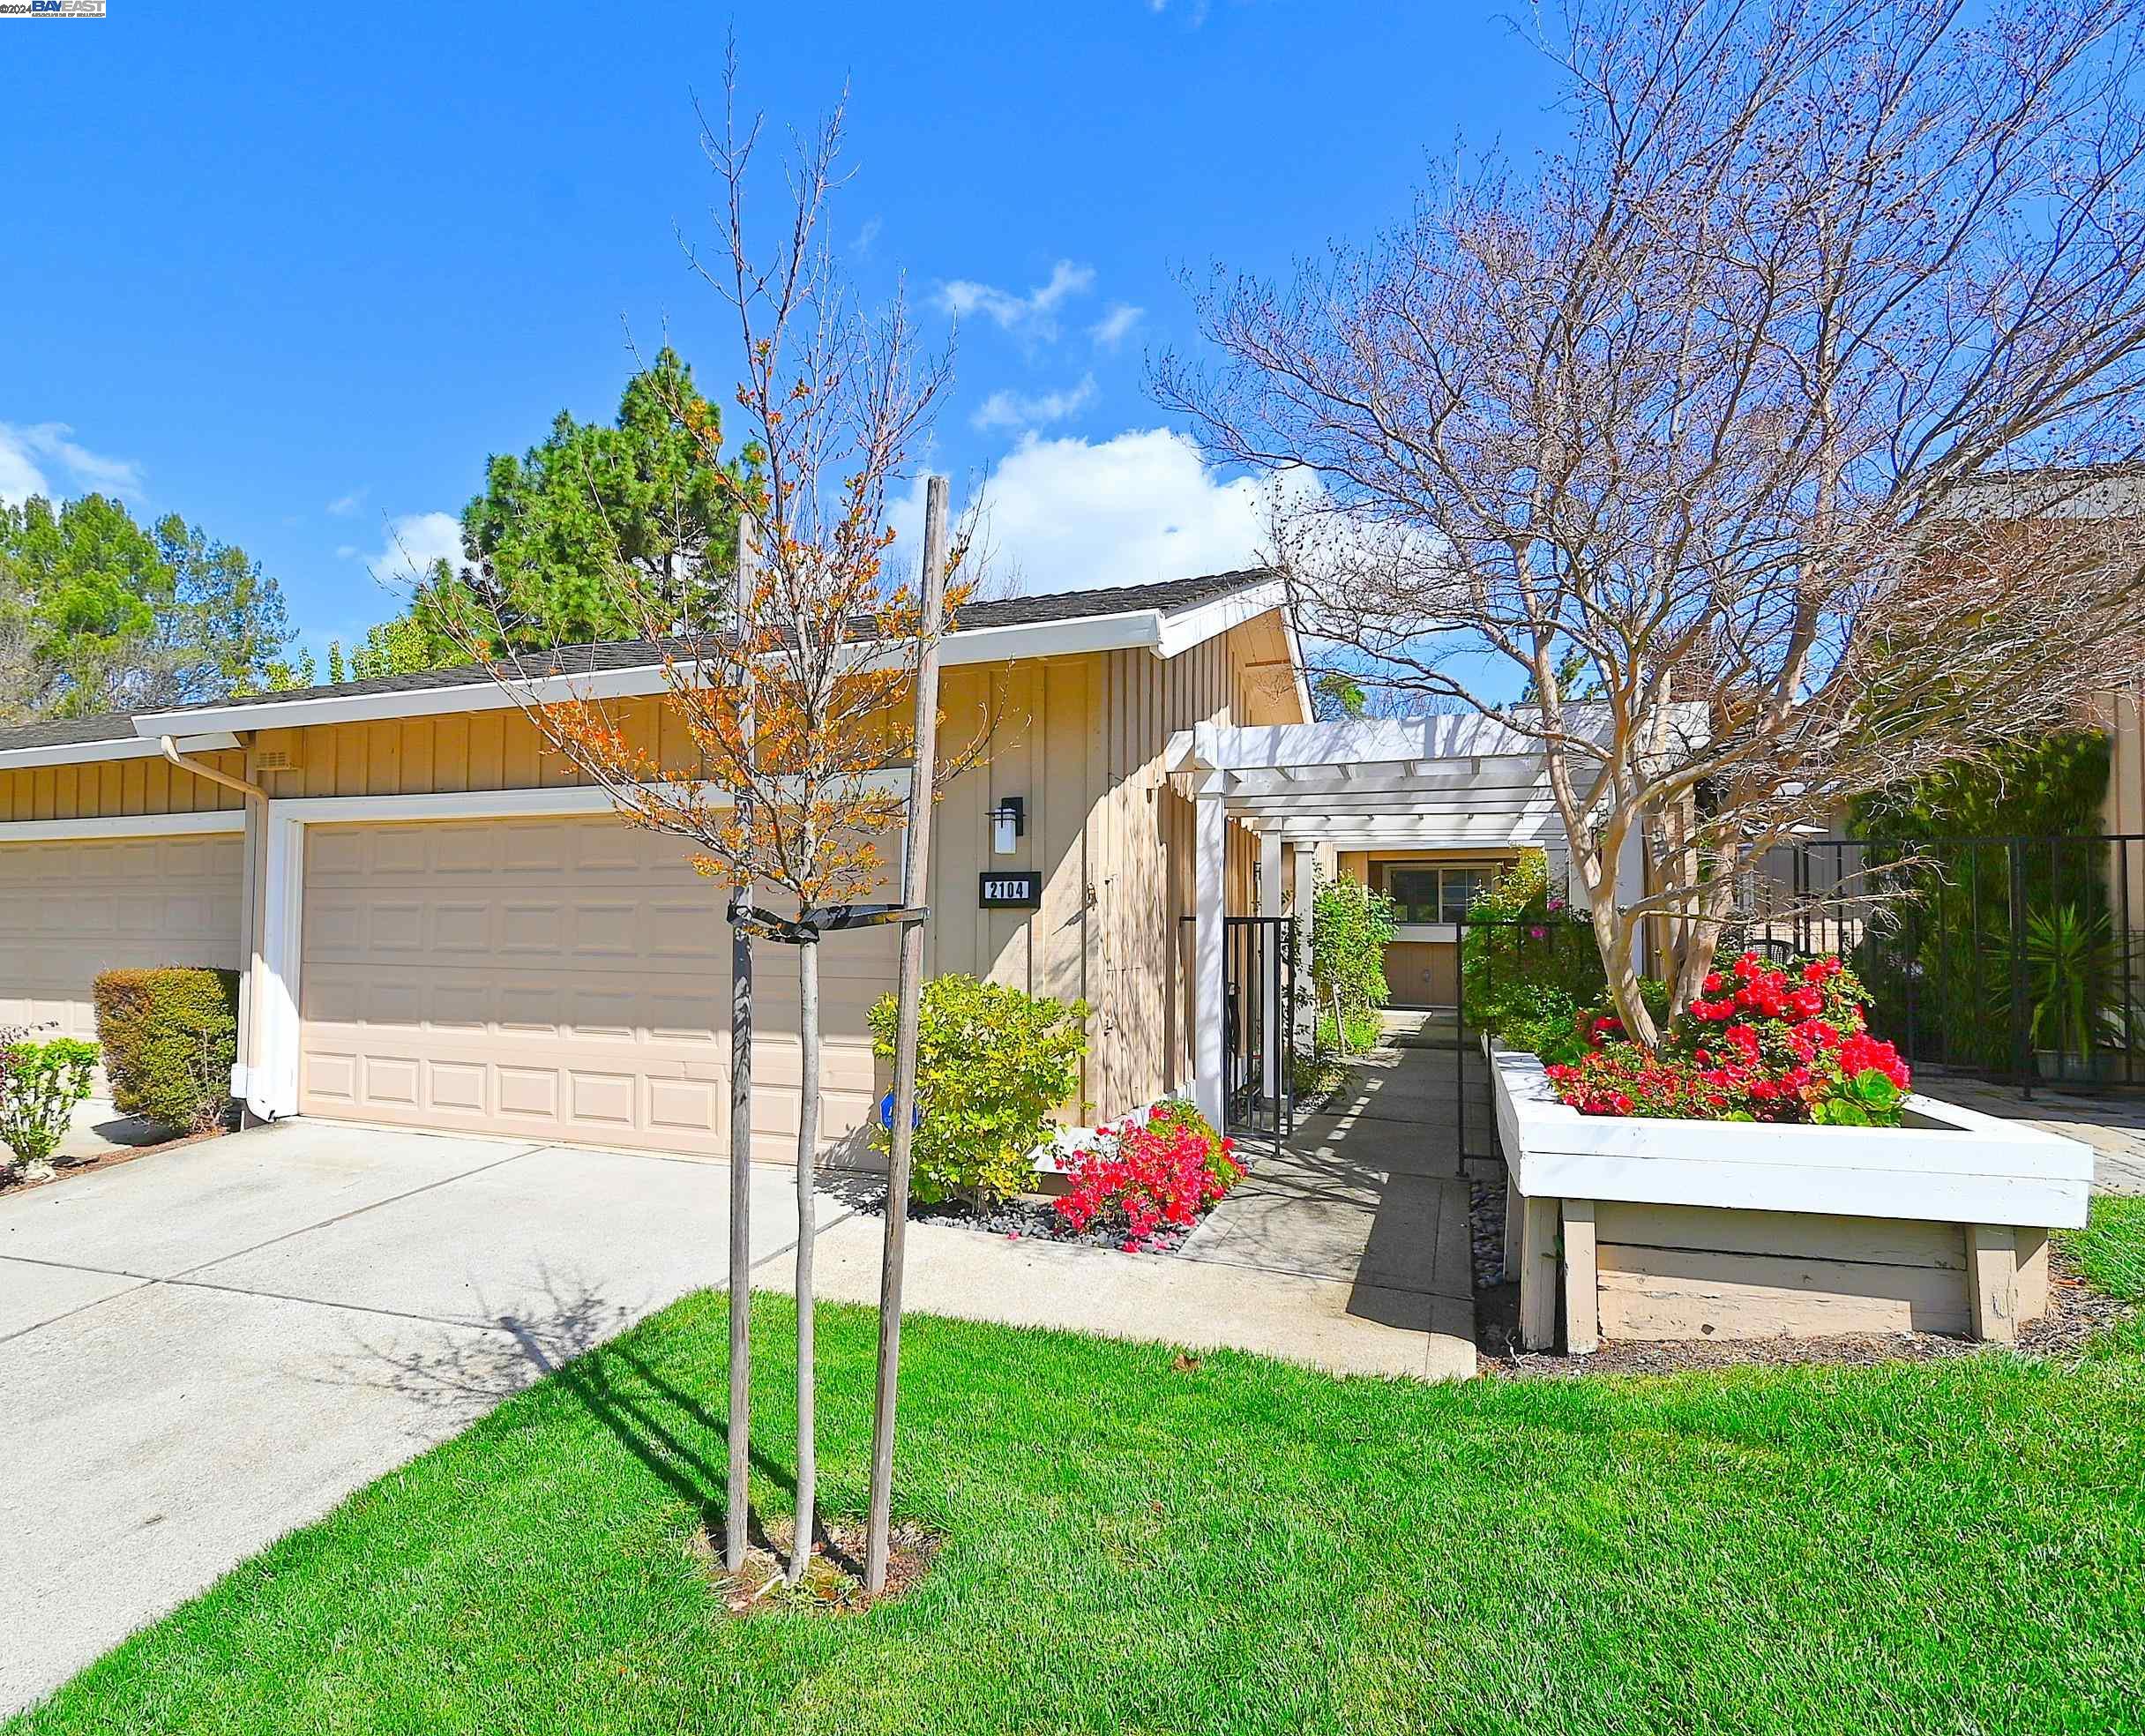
column 789, row 683
column 1747, row 430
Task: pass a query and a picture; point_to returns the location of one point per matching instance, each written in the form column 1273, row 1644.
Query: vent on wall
column 274, row 759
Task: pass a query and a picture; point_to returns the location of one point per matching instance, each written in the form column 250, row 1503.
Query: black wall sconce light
column 1008, row 823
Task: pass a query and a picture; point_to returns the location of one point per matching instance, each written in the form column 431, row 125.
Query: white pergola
column 1407, row 783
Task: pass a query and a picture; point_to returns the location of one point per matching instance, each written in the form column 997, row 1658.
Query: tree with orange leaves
column 790, row 695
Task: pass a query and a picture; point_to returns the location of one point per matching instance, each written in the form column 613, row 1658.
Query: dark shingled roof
column 1168, row 597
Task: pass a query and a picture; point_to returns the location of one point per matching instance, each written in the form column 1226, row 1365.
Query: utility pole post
column 915, row 893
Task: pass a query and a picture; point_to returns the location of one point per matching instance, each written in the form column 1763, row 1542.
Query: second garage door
column 564, row 979
column 71, row 909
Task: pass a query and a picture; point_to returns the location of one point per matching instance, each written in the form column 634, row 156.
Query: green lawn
column 1243, row 1546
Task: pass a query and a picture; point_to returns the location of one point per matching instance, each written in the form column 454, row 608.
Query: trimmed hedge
column 169, row 1036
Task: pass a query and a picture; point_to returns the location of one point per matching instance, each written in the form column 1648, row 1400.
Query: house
column 438, row 924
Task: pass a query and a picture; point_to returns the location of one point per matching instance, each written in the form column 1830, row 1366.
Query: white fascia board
column 1190, row 627
column 1134, row 629
column 1952, row 1165
column 78, row 753
column 207, row 821
column 1138, row 629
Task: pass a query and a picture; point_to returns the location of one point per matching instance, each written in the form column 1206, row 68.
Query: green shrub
column 1358, row 1034
column 1522, row 943
column 40, row 1085
column 991, row 1064
column 169, row 1036
column 1350, row 928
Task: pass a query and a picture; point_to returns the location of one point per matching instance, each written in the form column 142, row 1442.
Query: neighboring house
column 440, row 924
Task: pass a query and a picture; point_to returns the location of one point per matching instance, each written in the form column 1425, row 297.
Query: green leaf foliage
column 98, row 613
column 552, row 528
column 1866, row 1100
column 169, row 1035
column 1350, row 928
column 991, row 1064
column 1946, row 950
column 1529, row 964
column 40, row 1085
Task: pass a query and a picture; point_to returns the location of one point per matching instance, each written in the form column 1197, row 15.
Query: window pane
column 1461, row 887
column 1414, row 892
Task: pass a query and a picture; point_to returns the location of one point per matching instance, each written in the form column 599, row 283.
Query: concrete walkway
column 2114, row 1125
column 1348, row 1250
column 1368, row 1200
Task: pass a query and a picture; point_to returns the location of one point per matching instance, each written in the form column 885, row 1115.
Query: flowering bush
column 1151, row 1176
column 991, row 1063
column 1760, row 1042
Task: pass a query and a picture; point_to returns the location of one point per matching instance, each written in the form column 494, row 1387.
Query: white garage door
column 69, row 910
column 564, row 979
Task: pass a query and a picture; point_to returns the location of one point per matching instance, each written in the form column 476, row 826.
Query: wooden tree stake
column 915, row 892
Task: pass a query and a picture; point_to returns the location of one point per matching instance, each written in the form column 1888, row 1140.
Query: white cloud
column 344, row 506
column 414, row 541
column 1065, row 514
column 867, row 233
column 1116, row 325
column 1035, row 313
column 346, row 551
column 30, row 452
column 1017, row 409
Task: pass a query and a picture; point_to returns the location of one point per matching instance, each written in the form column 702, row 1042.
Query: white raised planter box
column 1687, row 1229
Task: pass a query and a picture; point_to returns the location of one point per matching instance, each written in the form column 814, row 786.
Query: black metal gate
column 1258, row 1026
column 2017, row 959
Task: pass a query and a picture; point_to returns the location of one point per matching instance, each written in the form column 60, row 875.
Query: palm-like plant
column 2067, row 959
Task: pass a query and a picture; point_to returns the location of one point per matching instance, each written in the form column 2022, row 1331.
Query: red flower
column 1864, row 1054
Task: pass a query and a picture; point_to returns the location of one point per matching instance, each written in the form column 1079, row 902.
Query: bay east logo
column 66, row 9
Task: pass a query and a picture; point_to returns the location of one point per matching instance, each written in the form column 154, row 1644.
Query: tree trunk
column 1617, row 942
column 738, row 1512
column 808, row 1141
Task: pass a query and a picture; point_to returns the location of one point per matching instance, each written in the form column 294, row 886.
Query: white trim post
column 1210, row 863
column 271, row 1080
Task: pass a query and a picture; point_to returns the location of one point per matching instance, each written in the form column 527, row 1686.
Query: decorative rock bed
column 1658, row 1230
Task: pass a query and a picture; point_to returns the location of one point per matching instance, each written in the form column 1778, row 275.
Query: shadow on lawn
column 466, row 1371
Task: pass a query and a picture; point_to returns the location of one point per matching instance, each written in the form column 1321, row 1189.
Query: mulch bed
column 65, row 1169
column 833, row 1579
column 1027, row 1218
column 2075, row 1312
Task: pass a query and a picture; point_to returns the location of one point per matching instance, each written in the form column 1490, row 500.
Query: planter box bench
column 1662, row 1230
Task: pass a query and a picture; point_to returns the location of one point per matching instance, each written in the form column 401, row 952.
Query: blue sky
column 295, row 271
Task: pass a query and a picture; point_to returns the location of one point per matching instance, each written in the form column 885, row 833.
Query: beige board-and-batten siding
column 1079, row 737
column 114, row 789
column 2123, row 808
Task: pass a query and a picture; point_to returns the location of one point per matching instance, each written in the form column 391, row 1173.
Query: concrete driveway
column 200, row 1350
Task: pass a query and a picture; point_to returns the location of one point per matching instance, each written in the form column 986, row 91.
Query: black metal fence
column 2019, row 960
column 1259, row 1025
column 1505, row 963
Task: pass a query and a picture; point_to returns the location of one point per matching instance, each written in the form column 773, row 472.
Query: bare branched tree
column 790, row 684
column 1756, row 409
